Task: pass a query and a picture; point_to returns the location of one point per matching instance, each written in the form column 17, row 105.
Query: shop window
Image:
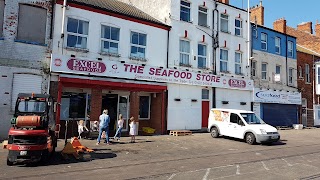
column 205, row 94
column 184, row 52
column 144, row 107
column 202, row 56
column 77, row 33
column 238, row 27
column 238, row 62
column 1, row 16
column 223, row 60
column 73, row 106
column 138, row 45
column 264, row 42
column 224, row 21
column 110, row 39
column 202, row 17
column 184, row 11
column 26, row 28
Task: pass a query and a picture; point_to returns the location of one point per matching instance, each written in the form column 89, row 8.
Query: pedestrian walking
column 120, row 126
column 104, row 126
column 133, row 129
column 82, row 129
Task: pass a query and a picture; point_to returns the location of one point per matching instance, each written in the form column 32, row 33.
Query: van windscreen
column 251, row 118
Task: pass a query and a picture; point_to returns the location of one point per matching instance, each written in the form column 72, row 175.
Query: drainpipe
column 64, row 6
column 215, row 45
column 168, row 49
column 313, row 83
column 287, row 84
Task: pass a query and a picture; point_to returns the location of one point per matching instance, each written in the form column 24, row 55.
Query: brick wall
column 96, row 103
column 306, row 27
column 257, row 14
column 156, row 112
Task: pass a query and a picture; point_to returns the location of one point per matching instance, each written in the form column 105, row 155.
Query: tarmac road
column 199, row 156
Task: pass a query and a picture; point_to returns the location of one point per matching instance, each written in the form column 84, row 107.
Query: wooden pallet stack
column 180, row 132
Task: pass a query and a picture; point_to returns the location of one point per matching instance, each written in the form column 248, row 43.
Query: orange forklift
column 34, row 132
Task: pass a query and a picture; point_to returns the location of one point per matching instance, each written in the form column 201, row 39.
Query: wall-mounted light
column 72, row 55
column 187, row 69
column 199, row 71
column 225, row 102
column 243, row 103
column 161, row 67
column 154, row 95
column 122, row 61
column 174, row 67
column 100, row 59
column 143, row 64
column 177, row 99
column 194, row 100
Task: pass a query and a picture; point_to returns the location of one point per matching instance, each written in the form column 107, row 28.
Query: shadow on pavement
column 279, row 143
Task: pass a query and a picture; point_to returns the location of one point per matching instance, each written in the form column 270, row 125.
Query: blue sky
column 294, row 11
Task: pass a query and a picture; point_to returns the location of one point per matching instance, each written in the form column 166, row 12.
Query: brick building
column 25, row 38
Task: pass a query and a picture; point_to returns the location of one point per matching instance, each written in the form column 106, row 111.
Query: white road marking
column 206, row 175
column 172, row 175
column 238, row 169
column 265, row 166
column 287, row 162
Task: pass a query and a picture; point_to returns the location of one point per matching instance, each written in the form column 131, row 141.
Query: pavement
column 296, row 156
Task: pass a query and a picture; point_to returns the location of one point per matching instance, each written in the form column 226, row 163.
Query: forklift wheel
column 9, row 163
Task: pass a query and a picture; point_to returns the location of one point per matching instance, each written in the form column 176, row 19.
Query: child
column 120, row 126
column 133, row 127
column 82, row 129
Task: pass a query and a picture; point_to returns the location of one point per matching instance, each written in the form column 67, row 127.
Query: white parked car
column 241, row 124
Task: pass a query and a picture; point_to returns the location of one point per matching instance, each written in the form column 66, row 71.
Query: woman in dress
column 133, row 129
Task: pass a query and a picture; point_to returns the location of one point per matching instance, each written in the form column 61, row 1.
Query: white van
column 241, row 124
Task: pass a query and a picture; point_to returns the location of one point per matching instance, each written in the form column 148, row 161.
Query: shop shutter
column 25, row 83
column 280, row 114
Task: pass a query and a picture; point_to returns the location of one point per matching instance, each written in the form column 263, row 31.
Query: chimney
column 317, row 29
column 224, row 1
column 280, row 25
column 307, row 27
column 257, row 14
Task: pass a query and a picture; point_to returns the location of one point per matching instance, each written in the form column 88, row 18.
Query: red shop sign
column 237, row 83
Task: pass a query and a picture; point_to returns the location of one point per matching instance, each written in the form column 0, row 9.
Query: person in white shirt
column 120, row 126
column 82, row 129
column 133, row 129
column 104, row 126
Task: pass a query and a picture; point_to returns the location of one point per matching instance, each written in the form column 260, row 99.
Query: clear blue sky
column 294, row 11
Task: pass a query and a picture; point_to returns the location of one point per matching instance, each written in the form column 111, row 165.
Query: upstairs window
column 31, row 19
column 77, row 33
column 253, row 68
column 202, row 17
column 238, row 62
column 138, row 45
column 307, row 71
column 184, row 52
column 300, row 72
column 318, row 75
column 184, row 11
column 202, row 56
column 290, row 49
column 264, row 71
column 264, row 43
column 277, row 45
column 224, row 21
column 110, row 39
column 290, row 75
column 223, row 60
column 1, row 16
column 238, row 27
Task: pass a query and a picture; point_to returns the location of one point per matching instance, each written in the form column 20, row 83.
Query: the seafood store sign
column 282, row 97
column 132, row 71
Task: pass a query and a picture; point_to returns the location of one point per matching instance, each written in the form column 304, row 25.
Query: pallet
column 180, row 132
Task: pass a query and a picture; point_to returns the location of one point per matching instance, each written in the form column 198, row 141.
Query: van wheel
column 214, row 132
column 9, row 163
column 250, row 138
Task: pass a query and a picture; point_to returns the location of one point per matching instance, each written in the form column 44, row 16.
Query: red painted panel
column 205, row 113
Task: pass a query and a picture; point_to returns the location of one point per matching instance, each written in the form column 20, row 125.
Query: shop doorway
column 110, row 102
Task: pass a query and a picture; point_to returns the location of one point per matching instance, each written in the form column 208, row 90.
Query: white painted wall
column 185, row 114
column 274, row 60
column 234, row 97
column 156, row 49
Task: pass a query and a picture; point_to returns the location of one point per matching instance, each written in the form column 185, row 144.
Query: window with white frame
column 1, row 16
column 144, row 107
column 202, row 17
column 253, row 68
column 202, row 56
column 238, row 27
column 223, row 60
column 110, row 39
column 300, row 72
column 307, row 71
column 138, row 45
column 290, row 49
column 224, row 21
column 278, row 73
column 304, row 102
column 264, row 71
column 277, row 44
column 77, row 33
column 290, row 75
column 264, row 42
column 185, row 11
column 184, row 52
column 238, row 62
column 205, row 94
column 318, row 75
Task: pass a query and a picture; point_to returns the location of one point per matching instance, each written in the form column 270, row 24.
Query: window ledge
column 204, row 68
column 225, row 72
column 205, row 26
column 185, row 65
column 30, row 42
column 110, row 54
column 227, row 32
column 239, row 74
column 186, row 21
column 77, row 49
column 138, row 59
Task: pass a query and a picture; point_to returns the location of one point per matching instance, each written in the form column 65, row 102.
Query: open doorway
column 110, row 102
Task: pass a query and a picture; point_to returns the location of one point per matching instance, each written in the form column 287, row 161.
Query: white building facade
column 25, row 39
column 207, row 37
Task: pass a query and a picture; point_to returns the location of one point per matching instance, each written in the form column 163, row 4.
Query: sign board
column 277, row 78
column 281, row 97
column 66, row 64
